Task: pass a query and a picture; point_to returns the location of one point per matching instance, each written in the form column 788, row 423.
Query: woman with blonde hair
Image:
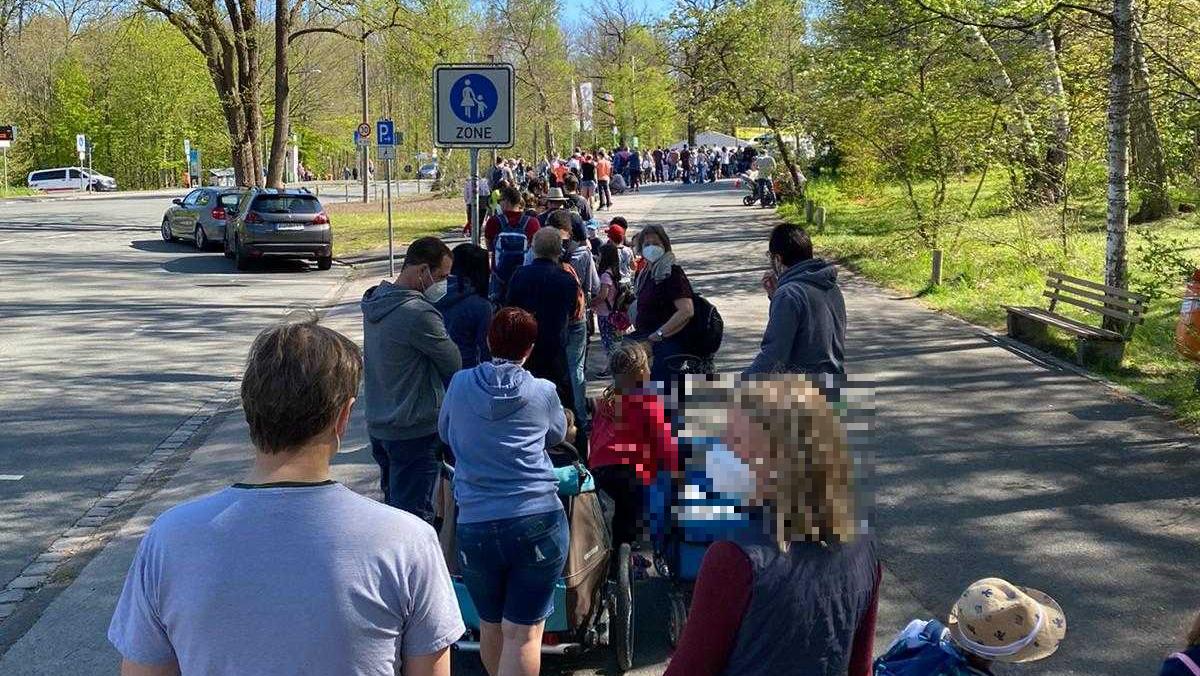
column 1187, row 661
column 797, row 592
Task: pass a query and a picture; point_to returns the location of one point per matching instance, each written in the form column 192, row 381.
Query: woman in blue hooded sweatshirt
column 465, row 307
column 511, row 529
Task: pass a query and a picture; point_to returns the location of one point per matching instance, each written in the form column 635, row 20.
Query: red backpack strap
column 1187, row 662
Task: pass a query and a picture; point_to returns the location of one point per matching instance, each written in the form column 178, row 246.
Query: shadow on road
column 217, row 264
column 159, row 246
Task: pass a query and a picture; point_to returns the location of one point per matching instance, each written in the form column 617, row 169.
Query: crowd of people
column 475, row 357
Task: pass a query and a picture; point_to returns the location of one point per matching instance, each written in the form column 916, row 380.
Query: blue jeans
column 576, row 360
column 510, row 566
column 408, row 472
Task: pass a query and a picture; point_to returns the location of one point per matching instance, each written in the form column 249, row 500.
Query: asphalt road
column 109, row 338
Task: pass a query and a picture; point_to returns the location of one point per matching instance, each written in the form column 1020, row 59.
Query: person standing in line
column 1187, row 661
column 271, row 575
column 685, row 161
column 578, row 260
column 587, row 179
column 581, row 206
column 806, row 327
column 796, row 590
column 659, row 158
column 635, row 171
column 511, row 529
column 475, row 194
column 409, row 359
column 616, row 234
column 664, row 300
column 553, row 296
column 465, row 308
column 724, row 162
column 604, row 304
column 604, row 169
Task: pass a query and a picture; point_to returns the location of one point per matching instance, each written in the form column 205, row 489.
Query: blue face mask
column 730, row 475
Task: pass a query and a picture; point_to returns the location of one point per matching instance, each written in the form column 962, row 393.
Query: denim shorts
column 510, row 566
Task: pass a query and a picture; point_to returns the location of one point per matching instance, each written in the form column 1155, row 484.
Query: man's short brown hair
column 298, row 375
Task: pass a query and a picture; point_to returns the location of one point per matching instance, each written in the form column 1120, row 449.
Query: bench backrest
column 1127, row 307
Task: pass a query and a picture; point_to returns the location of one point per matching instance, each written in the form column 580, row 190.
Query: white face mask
column 652, row 252
column 730, row 475
column 436, row 290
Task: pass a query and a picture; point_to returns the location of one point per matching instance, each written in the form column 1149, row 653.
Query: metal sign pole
column 387, row 173
column 6, row 171
column 476, row 226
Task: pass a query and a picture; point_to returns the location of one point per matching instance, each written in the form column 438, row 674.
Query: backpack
column 618, row 306
column 704, row 331
column 497, row 175
column 511, row 244
column 929, row 653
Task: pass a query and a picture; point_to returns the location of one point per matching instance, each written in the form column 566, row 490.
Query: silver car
column 201, row 216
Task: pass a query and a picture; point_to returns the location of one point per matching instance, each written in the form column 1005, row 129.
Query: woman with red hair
column 511, row 529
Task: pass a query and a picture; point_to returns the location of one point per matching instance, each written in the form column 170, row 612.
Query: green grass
column 15, row 191
column 359, row 228
column 997, row 256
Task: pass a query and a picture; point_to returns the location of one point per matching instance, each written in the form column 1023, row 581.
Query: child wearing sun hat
column 992, row 621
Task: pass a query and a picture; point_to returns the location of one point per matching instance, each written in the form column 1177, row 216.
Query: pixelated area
column 786, row 457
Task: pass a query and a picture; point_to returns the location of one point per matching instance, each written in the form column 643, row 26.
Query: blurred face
column 751, row 443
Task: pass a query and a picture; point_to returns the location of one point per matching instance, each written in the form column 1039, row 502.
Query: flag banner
column 585, row 105
column 574, row 104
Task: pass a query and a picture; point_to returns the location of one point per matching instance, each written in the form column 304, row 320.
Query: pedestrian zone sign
column 473, row 105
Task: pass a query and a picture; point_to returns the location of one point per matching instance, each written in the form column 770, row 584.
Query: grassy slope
column 999, row 259
column 361, row 227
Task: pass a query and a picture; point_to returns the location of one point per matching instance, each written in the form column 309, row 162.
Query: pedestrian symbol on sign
column 473, row 98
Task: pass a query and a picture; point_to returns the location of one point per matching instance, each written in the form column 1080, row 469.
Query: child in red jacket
column 631, row 440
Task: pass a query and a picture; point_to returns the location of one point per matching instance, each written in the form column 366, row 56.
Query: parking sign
column 385, row 133
column 473, row 105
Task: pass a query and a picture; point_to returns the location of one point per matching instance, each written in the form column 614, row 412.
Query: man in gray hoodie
column 408, row 359
column 806, row 328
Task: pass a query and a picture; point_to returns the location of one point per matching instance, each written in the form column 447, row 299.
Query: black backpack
column 704, row 331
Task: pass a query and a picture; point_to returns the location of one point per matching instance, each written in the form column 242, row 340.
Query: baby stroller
column 591, row 607
column 686, row 513
column 746, row 180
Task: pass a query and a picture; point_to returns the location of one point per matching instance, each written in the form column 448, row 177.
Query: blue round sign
column 473, row 98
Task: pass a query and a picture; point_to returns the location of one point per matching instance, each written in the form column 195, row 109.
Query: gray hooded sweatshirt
column 806, row 330
column 408, row 359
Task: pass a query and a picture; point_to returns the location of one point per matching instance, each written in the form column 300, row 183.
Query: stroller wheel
column 748, row 200
column 623, row 611
column 679, row 611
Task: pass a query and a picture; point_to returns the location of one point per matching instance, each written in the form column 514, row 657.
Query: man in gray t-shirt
column 290, row 572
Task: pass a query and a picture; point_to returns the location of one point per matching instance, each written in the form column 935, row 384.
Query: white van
column 70, row 178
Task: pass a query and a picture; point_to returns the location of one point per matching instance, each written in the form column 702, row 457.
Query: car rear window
column 287, row 204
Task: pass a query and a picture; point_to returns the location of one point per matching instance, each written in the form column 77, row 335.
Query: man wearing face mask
column 408, row 359
column 806, row 328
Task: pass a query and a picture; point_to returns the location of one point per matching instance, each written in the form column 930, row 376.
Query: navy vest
column 805, row 607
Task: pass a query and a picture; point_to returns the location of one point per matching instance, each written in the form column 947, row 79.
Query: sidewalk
column 988, row 462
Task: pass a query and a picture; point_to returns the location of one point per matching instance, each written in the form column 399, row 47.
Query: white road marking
column 7, row 241
column 11, row 477
column 65, row 234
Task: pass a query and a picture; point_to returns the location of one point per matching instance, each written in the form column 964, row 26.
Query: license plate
column 280, row 228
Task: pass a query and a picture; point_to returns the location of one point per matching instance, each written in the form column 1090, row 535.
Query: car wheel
column 239, row 254
column 324, row 263
column 200, row 238
column 166, row 231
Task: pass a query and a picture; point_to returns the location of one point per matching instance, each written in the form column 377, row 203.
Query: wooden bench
column 1093, row 344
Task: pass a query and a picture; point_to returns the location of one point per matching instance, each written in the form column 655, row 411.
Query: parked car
column 201, row 216
column 70, row 178
column 284, row 223
column 428, row 171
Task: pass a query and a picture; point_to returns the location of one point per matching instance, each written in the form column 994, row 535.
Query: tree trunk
column 279, row 136
column 1055, row 166
column 783, row 149
column 1115, row 263
column 1022, row 129
column 1149, row 163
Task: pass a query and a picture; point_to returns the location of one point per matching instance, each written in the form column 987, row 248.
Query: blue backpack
column 510, row 247
column 929, row 653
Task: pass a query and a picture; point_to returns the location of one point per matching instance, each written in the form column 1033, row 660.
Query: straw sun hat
column 1000, row 621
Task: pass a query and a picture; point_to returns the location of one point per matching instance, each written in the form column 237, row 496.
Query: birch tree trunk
column 1028, row 155
column 1149, row 163
column 1055, row 165
column 1119, row 81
